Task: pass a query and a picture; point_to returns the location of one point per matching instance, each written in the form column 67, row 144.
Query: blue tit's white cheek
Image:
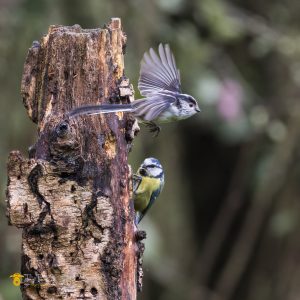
column 155, row 172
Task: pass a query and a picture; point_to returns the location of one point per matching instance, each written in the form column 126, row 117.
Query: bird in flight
column 160, row 84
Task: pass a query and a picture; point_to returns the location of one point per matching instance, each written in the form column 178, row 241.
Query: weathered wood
column 72, row 197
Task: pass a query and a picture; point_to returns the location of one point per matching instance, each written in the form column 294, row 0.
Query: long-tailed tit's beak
column 197, row 109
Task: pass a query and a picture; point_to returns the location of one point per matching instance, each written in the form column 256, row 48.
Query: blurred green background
column 226, row 226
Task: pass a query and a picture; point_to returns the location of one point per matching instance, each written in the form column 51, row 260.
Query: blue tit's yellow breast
column 143, row 193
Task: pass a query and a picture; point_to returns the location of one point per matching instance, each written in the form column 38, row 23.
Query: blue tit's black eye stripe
column 152, row 166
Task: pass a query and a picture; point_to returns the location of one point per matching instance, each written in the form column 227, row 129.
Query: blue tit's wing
column 140, row 215
column 148, row 109
column 159, row 73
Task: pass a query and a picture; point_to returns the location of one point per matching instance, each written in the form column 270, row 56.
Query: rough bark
column 72, row 196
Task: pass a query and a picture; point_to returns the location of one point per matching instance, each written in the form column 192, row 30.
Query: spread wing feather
column 159, row 72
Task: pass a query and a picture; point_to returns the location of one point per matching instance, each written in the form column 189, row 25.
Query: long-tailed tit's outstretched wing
column 159, row 72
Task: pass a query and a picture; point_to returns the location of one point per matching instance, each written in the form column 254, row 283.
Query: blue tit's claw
column 136, row 181
column 136, row 177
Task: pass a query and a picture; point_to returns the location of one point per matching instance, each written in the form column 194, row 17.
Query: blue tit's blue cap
column 151, row 161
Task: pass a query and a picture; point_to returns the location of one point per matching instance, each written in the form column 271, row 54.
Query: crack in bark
column 33, row 178
column 40, row 228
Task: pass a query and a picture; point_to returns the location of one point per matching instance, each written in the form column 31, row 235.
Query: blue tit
column 160, row 83
column 147, row 185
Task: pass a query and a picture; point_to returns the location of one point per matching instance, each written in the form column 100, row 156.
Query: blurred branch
column 252, row 23
column 223, row 221
column 257, row 214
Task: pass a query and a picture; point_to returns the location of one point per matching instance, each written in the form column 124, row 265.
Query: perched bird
column 160, row 83
column 147, row 185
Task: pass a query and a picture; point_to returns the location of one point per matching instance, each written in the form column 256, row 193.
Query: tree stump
column 72, row 196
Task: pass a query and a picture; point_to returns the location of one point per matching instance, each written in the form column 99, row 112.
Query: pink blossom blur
column 229, row 104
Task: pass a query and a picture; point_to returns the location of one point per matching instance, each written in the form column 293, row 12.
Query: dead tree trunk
column 72, row 197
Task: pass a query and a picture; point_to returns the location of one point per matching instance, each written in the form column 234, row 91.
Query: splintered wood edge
column 29, row 82
column 115, row 23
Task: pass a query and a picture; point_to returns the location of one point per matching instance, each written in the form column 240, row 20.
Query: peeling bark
column 72, row 196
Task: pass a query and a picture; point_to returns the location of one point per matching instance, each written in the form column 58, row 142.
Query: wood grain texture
column 72, row 196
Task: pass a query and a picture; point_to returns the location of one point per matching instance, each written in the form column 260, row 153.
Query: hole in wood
column 66, row 74
column 94, row 291
column 62, row 129
column 51, row 290
column 25, row 207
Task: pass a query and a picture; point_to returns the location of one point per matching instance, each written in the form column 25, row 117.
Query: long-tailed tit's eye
column 191, row 105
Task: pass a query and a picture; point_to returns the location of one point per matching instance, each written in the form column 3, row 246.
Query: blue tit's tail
column 99, row 109
column 138, row 217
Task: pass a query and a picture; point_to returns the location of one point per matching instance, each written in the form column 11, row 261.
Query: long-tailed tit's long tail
column 99, row 109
